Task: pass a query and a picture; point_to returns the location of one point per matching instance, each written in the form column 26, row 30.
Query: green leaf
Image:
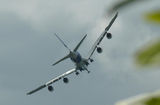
column 150, row 55
column 152, row 98
column 153, row 101
column 153, row 16
column 122, row 4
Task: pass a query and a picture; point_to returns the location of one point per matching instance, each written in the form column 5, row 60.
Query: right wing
column 61, row 59
column 52, row 81
column 100, row 38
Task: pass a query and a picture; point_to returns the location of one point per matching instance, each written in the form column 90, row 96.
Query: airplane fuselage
column 76, row 57
column 81, row 63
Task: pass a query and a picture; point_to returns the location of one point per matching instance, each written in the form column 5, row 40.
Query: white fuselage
column 81, row 63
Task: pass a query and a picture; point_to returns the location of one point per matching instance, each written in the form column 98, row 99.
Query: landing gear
column 88, row 71
column 87, row 63
column 91, row 60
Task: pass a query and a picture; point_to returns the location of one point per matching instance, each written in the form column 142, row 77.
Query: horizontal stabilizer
column 80, row 43
column 64, row 58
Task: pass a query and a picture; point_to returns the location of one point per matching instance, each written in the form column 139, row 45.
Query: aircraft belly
column 80, row 65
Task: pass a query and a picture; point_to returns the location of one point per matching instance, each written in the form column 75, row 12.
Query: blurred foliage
column 150, row 55
column 153, row 16
column 153, row 101
column 122, row 4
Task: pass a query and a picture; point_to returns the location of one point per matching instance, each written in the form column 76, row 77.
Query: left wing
column 100, row 38
column 52, row 81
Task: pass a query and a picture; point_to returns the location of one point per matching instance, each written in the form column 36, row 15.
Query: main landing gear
column 91, row 60
column 88, row 71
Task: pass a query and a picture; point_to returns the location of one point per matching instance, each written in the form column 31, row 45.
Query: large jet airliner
column 80, row 62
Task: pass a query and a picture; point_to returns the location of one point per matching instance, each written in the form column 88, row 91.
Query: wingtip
column 27, row 94
column 37, row 89
column 54, row 64
column 117, row 13
column 55, row 34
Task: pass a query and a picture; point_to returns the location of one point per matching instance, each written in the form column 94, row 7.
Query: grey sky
column 28, row 48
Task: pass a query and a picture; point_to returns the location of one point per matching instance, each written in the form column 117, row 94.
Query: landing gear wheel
column 88, row 71
column 91, row 60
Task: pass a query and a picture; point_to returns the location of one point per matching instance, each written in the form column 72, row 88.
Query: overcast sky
column 28, row 48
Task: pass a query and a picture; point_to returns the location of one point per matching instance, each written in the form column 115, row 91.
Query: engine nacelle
column 99, row 50
column 109, row 35
column 65, row 80
column 50, row 88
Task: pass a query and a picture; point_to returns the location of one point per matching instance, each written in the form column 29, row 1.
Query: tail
column 62, row 42
column 67, row 56
column 76, row 48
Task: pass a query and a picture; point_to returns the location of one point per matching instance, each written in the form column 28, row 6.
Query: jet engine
column 109, row 35
column 99, row 49
column 65, row 80
column 50, row 88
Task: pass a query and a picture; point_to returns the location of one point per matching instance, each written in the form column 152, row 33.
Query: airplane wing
column 61, row 59
column 52, row 81
column 100, row 38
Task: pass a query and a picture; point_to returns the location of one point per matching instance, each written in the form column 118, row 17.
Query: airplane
column 80, row 62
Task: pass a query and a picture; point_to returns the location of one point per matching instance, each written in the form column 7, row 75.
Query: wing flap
column 60, row 77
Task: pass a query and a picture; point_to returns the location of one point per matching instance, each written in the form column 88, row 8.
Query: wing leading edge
column 52, row 81
column 100, row 38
